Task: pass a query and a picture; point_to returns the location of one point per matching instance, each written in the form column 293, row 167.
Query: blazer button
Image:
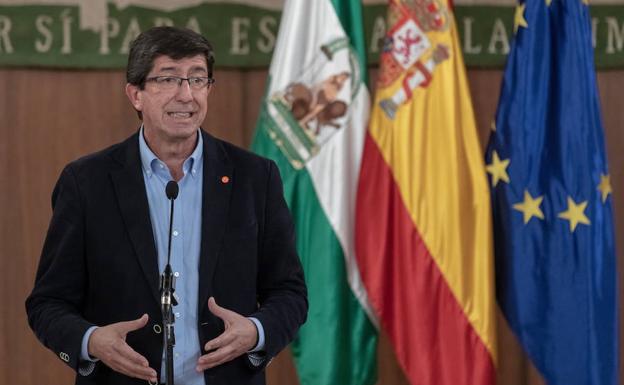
column 157, row 329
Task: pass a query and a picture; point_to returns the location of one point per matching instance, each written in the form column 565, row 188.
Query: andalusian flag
column 312, row 123
column 423, row 219
column 555, row 249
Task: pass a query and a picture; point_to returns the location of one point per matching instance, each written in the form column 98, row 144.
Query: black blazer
column 99, row 262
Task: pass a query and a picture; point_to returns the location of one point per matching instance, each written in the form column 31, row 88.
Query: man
column 240, row 285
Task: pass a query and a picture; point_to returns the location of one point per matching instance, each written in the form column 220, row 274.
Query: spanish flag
column 423, row 220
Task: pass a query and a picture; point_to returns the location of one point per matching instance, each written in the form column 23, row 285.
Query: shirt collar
column 150, row 162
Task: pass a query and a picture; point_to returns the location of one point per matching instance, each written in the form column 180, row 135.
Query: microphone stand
column 167, row 297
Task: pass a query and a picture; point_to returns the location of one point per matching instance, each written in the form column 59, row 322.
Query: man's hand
column 108, row 343
column 240, row 336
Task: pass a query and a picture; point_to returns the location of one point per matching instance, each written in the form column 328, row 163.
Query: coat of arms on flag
column 410, row 49
column 314, row 105
column 312, row 124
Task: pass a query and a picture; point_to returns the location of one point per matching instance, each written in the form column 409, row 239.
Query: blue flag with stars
column 551, row 198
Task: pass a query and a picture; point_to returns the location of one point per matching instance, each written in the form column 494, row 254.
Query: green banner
column 85, row 36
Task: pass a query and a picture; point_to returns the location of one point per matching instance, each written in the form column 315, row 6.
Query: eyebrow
column 192, row 70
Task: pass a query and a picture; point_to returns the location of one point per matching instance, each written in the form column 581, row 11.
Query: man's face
column 172, row 114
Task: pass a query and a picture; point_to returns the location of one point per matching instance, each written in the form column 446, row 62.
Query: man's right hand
column 108, row 343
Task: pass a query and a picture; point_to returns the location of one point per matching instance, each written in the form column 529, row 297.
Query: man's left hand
column 239, row 337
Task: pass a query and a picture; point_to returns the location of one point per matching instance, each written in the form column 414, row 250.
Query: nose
column 184, row 93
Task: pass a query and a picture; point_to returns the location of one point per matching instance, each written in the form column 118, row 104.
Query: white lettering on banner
column 193, row 24
column 55, row 30
column 595, row 22
column 499, row 37
column 5, row 40
column 42, row 24
column 378, row 34
column 132, row 32
column 66, row 21
column 240, row 36
column 615, row 35
column 111, row 30
column 469, row 49
column 267, row 30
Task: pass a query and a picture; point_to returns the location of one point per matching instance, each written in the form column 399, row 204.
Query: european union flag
column 551, row 198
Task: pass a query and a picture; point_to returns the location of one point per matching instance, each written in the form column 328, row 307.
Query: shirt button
column 161, row 165
column 177, row 315
column 175, row 233
column 176, row 274
column 177, row 355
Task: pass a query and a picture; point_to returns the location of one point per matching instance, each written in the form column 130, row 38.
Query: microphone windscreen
column 172, row 190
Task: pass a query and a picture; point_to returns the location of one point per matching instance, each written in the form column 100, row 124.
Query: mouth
column 180, row 115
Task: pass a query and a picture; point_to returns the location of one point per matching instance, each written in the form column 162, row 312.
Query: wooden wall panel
column 611, row 84
column 49, row 118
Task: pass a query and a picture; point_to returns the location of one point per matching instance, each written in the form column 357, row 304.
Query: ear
column 134, row 95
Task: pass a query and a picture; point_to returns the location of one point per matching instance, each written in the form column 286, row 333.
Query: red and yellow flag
column 423, row 222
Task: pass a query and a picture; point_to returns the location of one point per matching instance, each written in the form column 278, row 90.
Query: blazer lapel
column 217, row 188
column 132, row 198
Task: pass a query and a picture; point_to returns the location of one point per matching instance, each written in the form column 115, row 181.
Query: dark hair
column 177, row 43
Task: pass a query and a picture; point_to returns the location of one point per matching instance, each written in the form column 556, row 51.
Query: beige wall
column 51, row 117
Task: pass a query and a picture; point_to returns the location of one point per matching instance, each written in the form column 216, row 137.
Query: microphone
column 172, row 190
column 167, row 288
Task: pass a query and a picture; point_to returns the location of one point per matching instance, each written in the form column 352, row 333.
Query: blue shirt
column 185, row 245
column 185, row 250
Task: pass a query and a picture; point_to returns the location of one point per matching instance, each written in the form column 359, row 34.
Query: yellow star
column 519, row 20
column 605, row 186
column 548, row 2
column 575, row 214
column 498, row 169
column 530, row 207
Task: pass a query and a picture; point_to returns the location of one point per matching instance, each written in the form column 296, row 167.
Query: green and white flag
column 313, row 123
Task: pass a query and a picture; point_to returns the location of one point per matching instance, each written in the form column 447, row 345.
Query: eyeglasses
column 173, row 82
